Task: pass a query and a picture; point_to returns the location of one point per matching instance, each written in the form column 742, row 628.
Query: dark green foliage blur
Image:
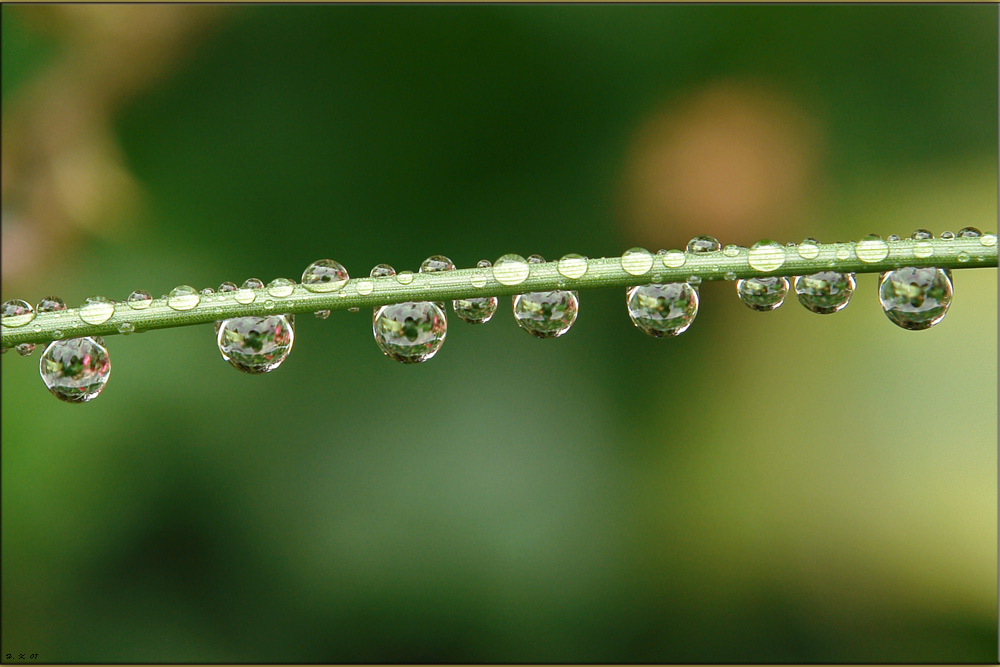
column 765, row 487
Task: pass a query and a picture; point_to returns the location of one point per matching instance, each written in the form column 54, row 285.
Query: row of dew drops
column 77, row 369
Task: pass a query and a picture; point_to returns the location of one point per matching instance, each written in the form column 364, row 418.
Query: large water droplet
column 255, row 344
column 674, row 259
column 511, row 270
column 97, row 310
column 281, row 287
column 436, row 264
column 324, row 275
column 872, row 249
column 16, row 313
column 51, row 304
column 825, row 292
column 410, row 332
column 662, row 310
column 703, row 243
column 572, row 266
column 637, row 261
column 809, row 249
column 546, row 314
column 763, row 294
column 25, row 349
column 183, row 297
column 75, row 370
column 969, row 233
column 915, row 298
column 766, row 256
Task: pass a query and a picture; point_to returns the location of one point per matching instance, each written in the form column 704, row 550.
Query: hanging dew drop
column 255, row 344
column 546, row 314
column 183, row 297
column 674, row 259
column 662, row 310
column 322, row 314
column 694, row 281
column 96, row 310
column 915, row 298
column 410, row 332
column 729, row 275
column 637, row 261
column 25, row 349
column 825, row 292
column 16, row 313
column 572, row 266
column 703, row 243
column 478, row 310
column 762, row 294
column 281, row 287
column 75, row 370
column 324, row 275
column 511, row 270
column 766, row 256
column 872, row 249
column 126, row 328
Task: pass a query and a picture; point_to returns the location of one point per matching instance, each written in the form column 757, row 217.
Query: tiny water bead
column 809, row 249
column 572, row 266
column 75, row 370
column 969, row 233
column 511, row 270
column 731, row 250
column 325, row 275
column 322, row 314
column 183, row 297
column 16, row 313
column 246, row 293
column 762, row 294
column 281, row 287
column 892, row 238
column 921, row 235
column 825, row 292
column 947, row 236
column 436, row 264
column 410, row 332
column 227, row 287
column 915, row 298
column 766, row 256
column 988, row 240
column 404, row 277
column 923, row 249
column 843, row 251
column 662, row 310
column 479, row 280
column 674, row 259
column 256, row 344
column 475, row 310
column 703, row 243
column 365, row 287
column 97, row 310
column 546, row 314
column 637, row 261
column 25, row 349
column 50, row 304
column 872, row 249
column 382, row 270
column 964, row 257
column 126, row 328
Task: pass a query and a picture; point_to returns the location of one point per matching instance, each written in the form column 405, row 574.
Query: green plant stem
column 958, row 253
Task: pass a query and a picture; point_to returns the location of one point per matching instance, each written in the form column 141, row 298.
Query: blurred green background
column 779, row 487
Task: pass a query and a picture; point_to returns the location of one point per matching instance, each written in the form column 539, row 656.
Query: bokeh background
column 766, row 487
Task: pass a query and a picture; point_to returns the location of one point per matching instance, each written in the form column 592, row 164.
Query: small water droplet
column 16, row 313
column 729, row 275
column 365, row 287
column 637, row 261
column 511, row 269
column 410, row 332
column 207, row 292
column 969, row 233
column 436, row 264
column 126, row 328
column 51, row 304
column 947, row 236
column 964, row 257
column 25, row 349
column 923, row 249
column 281, row 287
column 731, row 250
column 246, row 293
column 892, row 238
column 674, row 259
column 825, row 292
column 75, row 370
column 324, row 275
column 354, row 309
column 227, row 287
column 269, row 304
column 536, row 259
column 546, row 314
column 477, row 310
column 763, row 294
column 809, row 249
column 872, row 249
column 96, row 310
column 662, row 310
column 37, row 328
column 256, row 344
column 703, row 243
column 183, row 297
column 843, row 251
column 382, row 271
column 694, row 281
column 322, row 314
column 766, row 256
column 988, row 240
column 573, row 266
column 404, row 277
column 921, row 235
column 57, row 334
column 915, row 298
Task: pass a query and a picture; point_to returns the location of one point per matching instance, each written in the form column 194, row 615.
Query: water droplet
column 51, row 304
column 923, row 249
column 703, row 243
column 246, row 293
column 662, row 310
column 511, row 270
column 227, row 287
column 921, row 235
column 410, row 332
column 872, row 249
column 731, row 250
column 269, row 304
column 281, row 287
column 404, row 277
column 843, row 251
column 546, row 314
column 964, row 257
column 947, row 236
column 25, row 349
column 324, row 275
column 365, row 287
column 892, row 238
column 96, row 310
column 436, row 264
column 354, row 309
column 536, row 259
column 915, row 299
column 809, row 249
column 969, row 233
column 477, row 310
column 207, row 292
column 674, row 259
column 637, row 261
column 382, row 271
column 766, row 256
column 322, row 314
column 763, row 294
column 729, row 275
column 16, row 313
column 126, row 328
column 573, row 266
column 988, row 240
column 57, row 334
column 255, row 344
column 694, row 281
column 75, row 370
column 37, row 328
column 825, row 292
column 183, row 297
